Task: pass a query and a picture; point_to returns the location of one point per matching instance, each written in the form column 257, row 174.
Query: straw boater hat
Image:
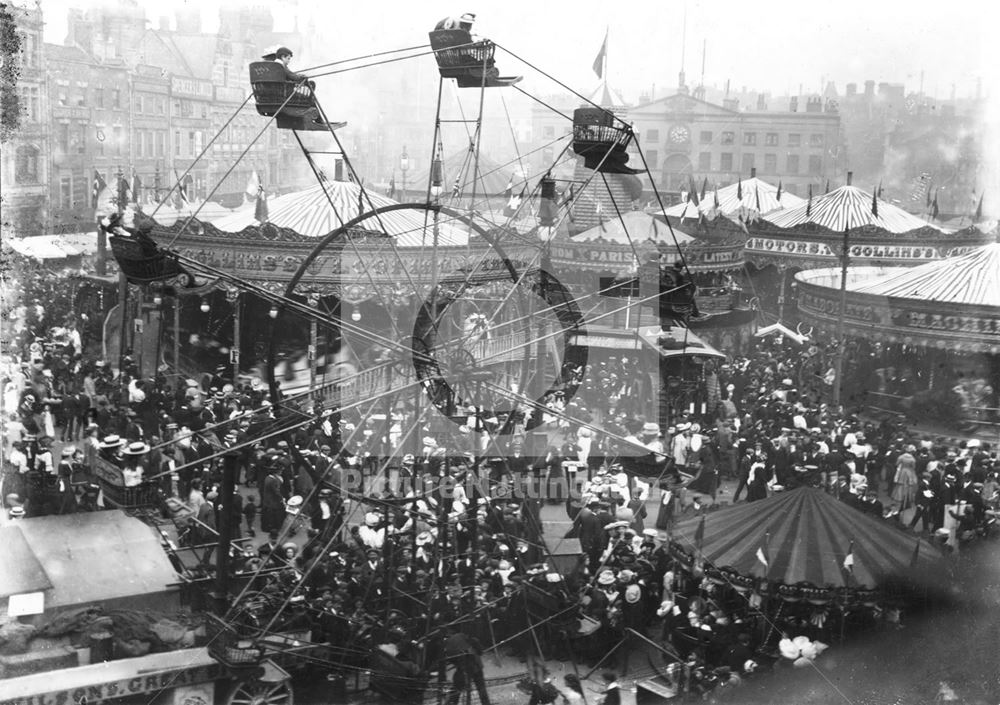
column 650, row 429
column 372, row 519
column 606, row 578
column 137, row 448
column 112, row 441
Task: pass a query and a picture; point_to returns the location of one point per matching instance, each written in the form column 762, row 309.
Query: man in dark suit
column 590, row 532
column 283, row 56
column 465, row 654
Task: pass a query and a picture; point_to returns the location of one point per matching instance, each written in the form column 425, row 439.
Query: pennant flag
column 739, row 189
column 916, row 554
column 809, row 203
column 928, row 197
column 756, row 193
column 849, row 559
column 880, row 188
column 99, row 185
column 934, row 207
column 778, row 197
column 260, row 209
column 827, row 186
column 253, row 186
column 514, row 203
column 392, row 186
column 693, row 194
column 704, row 187
column 599, row 60
column 875, row 203
column 699, row 534
column 762, row 554
column 979, row 210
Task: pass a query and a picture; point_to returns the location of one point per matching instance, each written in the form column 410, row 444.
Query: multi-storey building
column 683, row 136
column 24, row 171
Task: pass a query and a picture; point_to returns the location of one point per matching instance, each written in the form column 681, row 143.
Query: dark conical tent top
column 805, row 535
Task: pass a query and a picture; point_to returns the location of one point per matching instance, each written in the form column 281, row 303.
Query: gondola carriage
column 142, row 261
column 143, row 499
column 293, row 105
column 469, row 62
column 602, row 140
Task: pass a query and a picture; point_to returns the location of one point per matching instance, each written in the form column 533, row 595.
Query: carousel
column 745, row 200
column 925, row 340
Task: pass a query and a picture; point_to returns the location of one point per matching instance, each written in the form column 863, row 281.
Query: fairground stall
column 924, row 341
column 813, row 235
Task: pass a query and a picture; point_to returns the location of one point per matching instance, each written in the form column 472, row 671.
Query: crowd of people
column 392, row 550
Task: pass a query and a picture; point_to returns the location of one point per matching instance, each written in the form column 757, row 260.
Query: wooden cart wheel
column 255, row 692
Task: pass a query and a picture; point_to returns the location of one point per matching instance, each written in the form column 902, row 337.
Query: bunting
column 809, row 203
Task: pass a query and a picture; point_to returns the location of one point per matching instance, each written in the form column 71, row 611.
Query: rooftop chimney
column 870, row 89
column 761, row 102
column 753, row 172
column 793, row 104
column 852, row 89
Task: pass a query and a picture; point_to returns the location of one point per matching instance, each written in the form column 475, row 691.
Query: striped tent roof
column 636, row 226
column 848, row 207
column 730, row 205
column 806, row 534
column 971, row 279
column 493, row 176
column 309, row 213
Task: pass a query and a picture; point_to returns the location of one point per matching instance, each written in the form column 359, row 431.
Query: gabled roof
column 848, row 207
column 683, row 102
column 971, row 279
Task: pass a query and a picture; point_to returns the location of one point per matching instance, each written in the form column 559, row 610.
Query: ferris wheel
column 452, row 322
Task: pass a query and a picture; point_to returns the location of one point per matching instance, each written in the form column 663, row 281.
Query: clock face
column 679, row 134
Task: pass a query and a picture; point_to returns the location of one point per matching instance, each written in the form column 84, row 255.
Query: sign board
column 26, row 604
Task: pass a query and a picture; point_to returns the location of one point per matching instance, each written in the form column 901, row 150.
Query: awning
column 611, row 342
column 676, row 342
column 55, row 246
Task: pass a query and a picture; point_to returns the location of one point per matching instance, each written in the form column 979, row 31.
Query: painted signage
column 191, row 87
column 123, row 687
column 778, row 246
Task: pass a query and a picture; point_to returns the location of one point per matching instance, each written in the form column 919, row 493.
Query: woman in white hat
column 134, row 468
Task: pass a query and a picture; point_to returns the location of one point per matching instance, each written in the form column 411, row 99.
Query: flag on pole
column 392, row 186
column 756, row 193
column 880, row 188
column 979, row 210
column 928, row 196
column 763, row 554
column 809, row 202
column 599, row 60
column 99, row 185
column 875, row 203
column 693, row 194
column 827, row 186
column 739, row 189
column 260, row 213
column 934, row 207
column 778, row 197
column 704, row 187
column 849, row 559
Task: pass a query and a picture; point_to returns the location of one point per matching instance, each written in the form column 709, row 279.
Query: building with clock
column 683, row 136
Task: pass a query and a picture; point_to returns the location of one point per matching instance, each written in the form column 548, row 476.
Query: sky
column 774, row 45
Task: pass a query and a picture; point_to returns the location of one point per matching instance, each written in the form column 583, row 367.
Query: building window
column 705, row 161
column 706, row 137
column 726, row 161
column 118, row 139
column 177, row 143
column 63, row 100
column 66, row 192
column 116, row 98
column 26, row 165
column 548, row 132
column 198, row 144
column 191, row 150
column 771, row 139
column 138, row 103
column 750, row 138
column 728, row 137
column 652, row 158
column 748, row 163
column 63, row 137
column 794, row 139
column 652, row 135
column 770, row 163
column 80, row 138
column 81, row 100
column 99, row 97
column 161, row 106
column 204, row 111
column 161, row 144
column 29, row 103
column 29, row 43
column 792, row 167
column 177, row 107
column 815, row 165
column 816, row 140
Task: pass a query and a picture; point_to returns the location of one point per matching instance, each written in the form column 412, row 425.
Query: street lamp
column 404, row 166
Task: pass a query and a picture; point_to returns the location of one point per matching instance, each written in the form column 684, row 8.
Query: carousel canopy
column 848, row 207
column 971, row 279
column 634, row 227
column 758, row 196
column 493, row 177
column 782, row 331
column 806, row 535
column 309, row 213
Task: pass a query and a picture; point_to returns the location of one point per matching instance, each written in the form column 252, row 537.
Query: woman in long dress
column 905, row 482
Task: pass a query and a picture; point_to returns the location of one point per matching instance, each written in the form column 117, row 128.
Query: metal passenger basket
column 142, row 262
column 227, row 646
column 271, row 91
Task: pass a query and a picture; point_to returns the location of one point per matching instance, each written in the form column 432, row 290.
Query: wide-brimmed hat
column 632, row 594
column 651, row 428
column 429, row 441
column 112, row 441
column 616, row 525
column 606, row 578
column 469, row 17
column 68, row 451
column 372, row 519
column 137, row 448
